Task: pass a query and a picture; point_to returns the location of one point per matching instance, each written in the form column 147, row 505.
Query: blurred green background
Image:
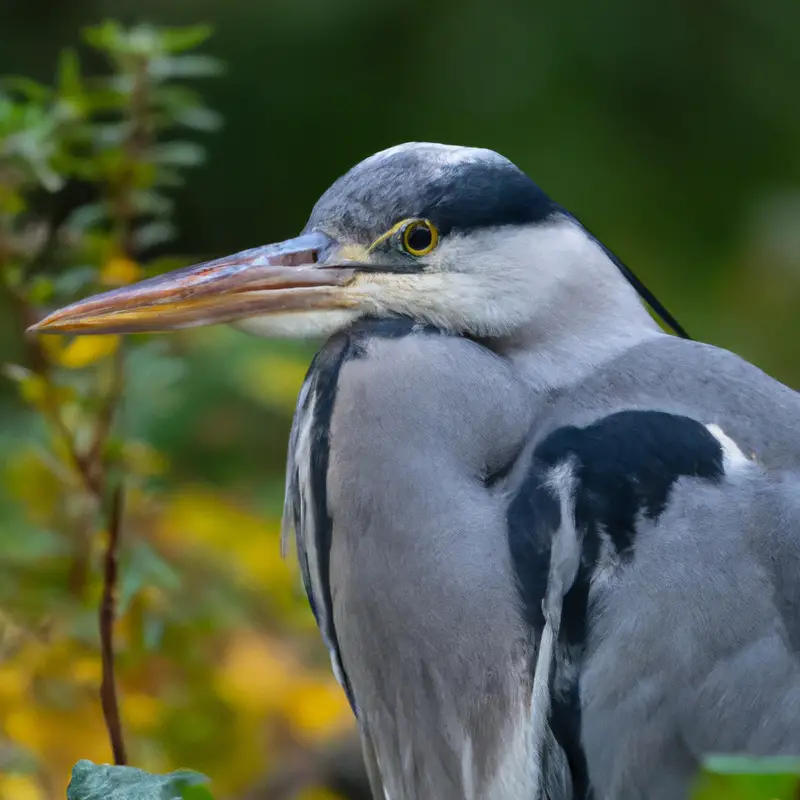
column 670, row 129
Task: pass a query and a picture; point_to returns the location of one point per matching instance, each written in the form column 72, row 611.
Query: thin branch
column 106, row 416
column 84, row 468
column 108, row 687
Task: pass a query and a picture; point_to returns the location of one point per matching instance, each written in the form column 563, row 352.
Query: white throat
column 586, row 312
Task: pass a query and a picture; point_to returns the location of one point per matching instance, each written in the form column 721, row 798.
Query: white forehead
column 444, row 154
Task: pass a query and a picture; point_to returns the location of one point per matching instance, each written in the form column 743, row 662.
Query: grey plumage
column 419, row 564
column 443, row 677
column 553, row 551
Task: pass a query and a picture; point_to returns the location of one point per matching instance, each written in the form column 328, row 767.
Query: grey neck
column 578, row 331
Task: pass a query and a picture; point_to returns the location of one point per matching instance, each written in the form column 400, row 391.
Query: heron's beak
column 275, row 278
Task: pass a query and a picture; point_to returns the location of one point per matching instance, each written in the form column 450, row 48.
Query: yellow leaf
column 318, row 709
column 14, row 682
column 85, row 350
column 255, row 674
column 273, row 379
column 139, row 710
column 142, row 459
column 87, row 670
column 53, row 346
column 20, row 787
column 60, row 736
column 33, row 389
column 24, row 728
column 120, row 271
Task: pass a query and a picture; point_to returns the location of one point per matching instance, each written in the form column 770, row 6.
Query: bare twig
column 105, row 417
column 95, row 455
column 108, row 687
column 92, row 464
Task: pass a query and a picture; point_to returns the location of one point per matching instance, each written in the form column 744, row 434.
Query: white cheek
column 297, row 324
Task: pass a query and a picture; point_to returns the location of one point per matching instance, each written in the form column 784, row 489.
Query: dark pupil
column 419, row 238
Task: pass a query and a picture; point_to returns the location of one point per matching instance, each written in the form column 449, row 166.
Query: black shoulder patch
column 622, row 466
column 627, row 463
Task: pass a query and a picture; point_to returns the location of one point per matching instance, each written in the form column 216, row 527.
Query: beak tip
column 44, row 325
column 55, row 323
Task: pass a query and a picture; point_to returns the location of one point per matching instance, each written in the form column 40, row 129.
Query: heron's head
column 456, row 237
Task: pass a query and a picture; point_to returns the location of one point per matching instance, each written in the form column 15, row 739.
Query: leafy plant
column 113, row 519
column 113, row 137
column 745, row 778
column 101, row 782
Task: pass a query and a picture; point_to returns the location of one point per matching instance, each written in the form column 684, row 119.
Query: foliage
column 92, row 782
column 742, row 778
column 207, row 672
column 723, row 778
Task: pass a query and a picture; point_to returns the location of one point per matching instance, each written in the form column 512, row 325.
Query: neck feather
column 586, row 314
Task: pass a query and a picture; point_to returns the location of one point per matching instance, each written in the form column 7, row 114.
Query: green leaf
column 153, row 632
column 173, row 98
column 30, row 89
column 193, row 66
column 196, row 793
column 178, row 154
column 105, row 98
column 103, row 782
column 49, row 179
column 70, row 83
column 153, row 233
column 199, row 118
column 143, row 40
column 746, row 778
column 168, row 177
column 21, row 546
column 110, row 134
column 144, row 567
column 87, row 216
column 40, row 291
column 74, row 281
column 147, row 201
column 176, row 40
column 108, row 36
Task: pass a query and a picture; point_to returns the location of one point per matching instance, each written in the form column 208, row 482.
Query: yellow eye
column 420, row 237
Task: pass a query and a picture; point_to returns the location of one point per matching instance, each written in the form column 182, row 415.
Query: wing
column 305, row 509
column 667, row 563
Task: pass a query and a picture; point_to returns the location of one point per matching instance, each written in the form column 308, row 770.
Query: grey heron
column 553, row 551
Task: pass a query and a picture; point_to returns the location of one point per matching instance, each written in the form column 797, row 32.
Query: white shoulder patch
column 732, row 456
